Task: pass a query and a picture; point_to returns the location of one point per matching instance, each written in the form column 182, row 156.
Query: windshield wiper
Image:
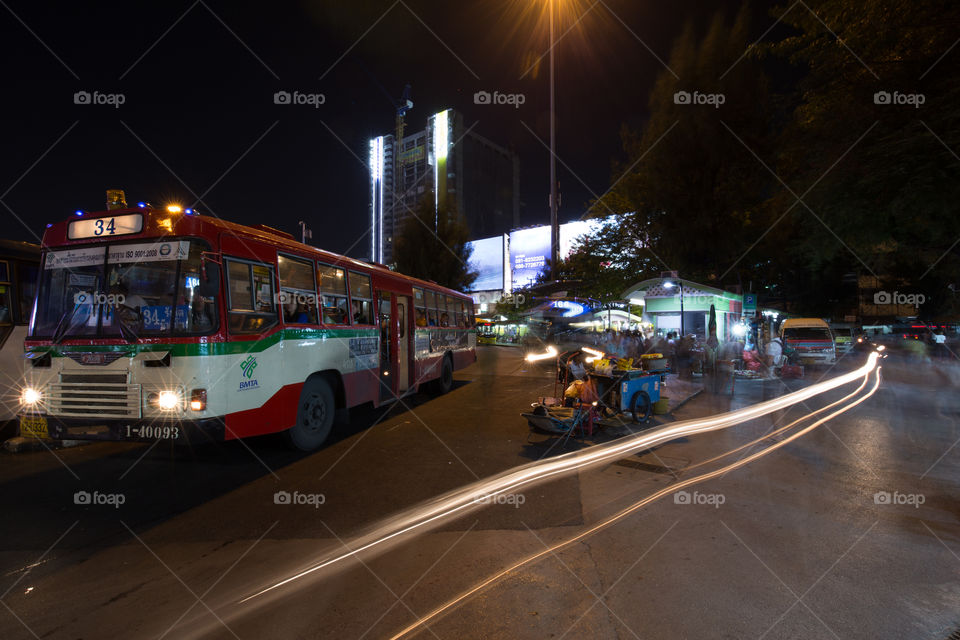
column 61, row 330
column 128, row 334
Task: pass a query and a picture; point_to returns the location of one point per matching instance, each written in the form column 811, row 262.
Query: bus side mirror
column 209, row 285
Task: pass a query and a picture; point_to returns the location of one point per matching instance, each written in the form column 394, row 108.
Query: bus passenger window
column 298, row 296
column 432, row 318
column 360, row 298
column 251, row 297
column 333, row 294
column 419, row 303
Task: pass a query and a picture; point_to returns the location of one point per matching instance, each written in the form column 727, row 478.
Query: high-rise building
column 452, row 165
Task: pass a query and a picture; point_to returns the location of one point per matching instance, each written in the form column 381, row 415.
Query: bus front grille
column 94, row 399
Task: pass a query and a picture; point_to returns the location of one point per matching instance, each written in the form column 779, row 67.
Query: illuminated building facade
column 452, row 165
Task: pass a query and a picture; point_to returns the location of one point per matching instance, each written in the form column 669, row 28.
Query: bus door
column 404, row 341
column 388, row 345
column 394, row 344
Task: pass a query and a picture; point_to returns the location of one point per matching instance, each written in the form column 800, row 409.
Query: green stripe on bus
column 215, row 348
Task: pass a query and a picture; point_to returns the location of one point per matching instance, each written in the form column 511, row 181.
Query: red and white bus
column 164, row 324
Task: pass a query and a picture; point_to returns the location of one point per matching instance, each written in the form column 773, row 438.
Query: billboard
column 570, row 231
column 487, row 261
column 529, row 253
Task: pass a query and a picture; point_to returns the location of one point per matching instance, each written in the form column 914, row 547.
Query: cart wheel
column 641, row 406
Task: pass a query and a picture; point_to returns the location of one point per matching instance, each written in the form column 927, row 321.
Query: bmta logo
column 248, row 365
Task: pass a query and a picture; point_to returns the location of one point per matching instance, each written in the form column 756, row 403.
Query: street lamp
column 679, row 285
column 554, row 223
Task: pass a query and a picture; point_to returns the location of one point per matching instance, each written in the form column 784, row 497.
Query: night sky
column 199, row 120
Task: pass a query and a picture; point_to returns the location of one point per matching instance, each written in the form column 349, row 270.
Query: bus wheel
column 315, row 413
column 445, row 382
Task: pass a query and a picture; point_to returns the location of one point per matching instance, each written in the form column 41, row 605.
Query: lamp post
column 554, row 224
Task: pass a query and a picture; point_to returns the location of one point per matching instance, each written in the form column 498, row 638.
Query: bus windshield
column 806, row 333
column 123, row 290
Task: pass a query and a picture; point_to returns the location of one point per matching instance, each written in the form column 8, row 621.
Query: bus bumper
column 186, row 432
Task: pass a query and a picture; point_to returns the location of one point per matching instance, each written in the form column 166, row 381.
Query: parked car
column 811, row 338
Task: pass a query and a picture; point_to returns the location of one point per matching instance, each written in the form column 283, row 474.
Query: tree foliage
column 433, row 245
column 809, row 174
column 690, row 185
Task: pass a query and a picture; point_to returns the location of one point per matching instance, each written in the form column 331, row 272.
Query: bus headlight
column 30, row 397
column 165, row 400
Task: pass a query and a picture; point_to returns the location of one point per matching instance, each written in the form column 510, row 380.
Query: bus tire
column 315, row 413
column 640, row 406
column 444, row 383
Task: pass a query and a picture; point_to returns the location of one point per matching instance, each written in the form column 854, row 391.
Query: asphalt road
column 795, row 544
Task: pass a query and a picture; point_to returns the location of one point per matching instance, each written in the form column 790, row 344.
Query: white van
column 811, row 338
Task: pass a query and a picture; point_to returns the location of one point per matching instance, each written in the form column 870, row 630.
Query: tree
column 874, row 132
column 690, row 185
column 433, row 245
column 601, row 265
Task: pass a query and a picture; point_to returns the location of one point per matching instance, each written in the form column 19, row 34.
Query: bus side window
column 433, row 320
column 298, row 295
column 361, row 299
column 251, row 306
column 419, row 304
column 453, row 311
column 333, row 294
column 469, row 314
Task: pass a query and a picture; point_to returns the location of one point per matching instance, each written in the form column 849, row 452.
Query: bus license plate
column 34, row 426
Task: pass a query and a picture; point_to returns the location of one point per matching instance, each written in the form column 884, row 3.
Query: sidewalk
column 680, row 391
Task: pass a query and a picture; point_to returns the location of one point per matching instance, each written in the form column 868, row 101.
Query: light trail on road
column 460, row 502
column 651, row 498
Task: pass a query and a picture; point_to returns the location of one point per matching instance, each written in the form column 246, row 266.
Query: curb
column 685, row 400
